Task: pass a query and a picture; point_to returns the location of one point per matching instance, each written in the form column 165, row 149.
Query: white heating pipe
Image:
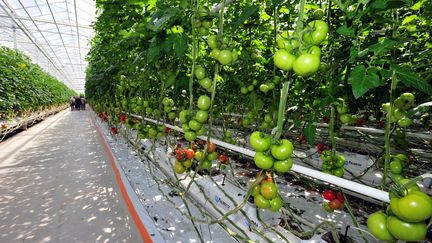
column 341, row 182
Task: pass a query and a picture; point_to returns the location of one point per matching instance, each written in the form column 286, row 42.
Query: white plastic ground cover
column 166, row 216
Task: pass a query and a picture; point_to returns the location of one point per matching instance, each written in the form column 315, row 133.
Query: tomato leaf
column 383, row 46
column 363, row 80
column 247, row 12
column 344, row 30
column 180, row 45
column 410, row 78
column 309, row 133
column 153, row 53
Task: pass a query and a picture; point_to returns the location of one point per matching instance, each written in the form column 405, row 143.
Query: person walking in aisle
column 77, row 103
column 72, row 103
column 83, row 103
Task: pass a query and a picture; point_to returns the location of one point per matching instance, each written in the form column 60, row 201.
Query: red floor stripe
column 141, row 228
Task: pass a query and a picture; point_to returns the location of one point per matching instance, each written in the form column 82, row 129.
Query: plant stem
column 282, row 108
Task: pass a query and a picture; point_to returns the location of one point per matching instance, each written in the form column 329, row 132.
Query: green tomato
column 283, row 166
column 261, row 202
column 377, row 226
column 246, row 122
column 190, row 136
column 212, row 41
column 184, row 116
column 340, row 161
column 345, row 118
column 243, row 90
column 250, row 88
column 187, row 163
column 404, row 122
column 256, row 190
column 179, row 168
column 215, row 53
column 268, row 190
column 212, row 156
column 396, row 167
column 201, row 132
column 327, row 208
column 386, row 107
column 259, row 141
column 195, row 125
column 203, row 31
column 271, row 86
column 306, row 64
column 282, row 43
column 408, row 100
column 206, row 83
column 284, row 60
column 198, row 155
column 225, row 57
column 201, row 116
column 399, row 113
column 406, row 231
column 342, row 109
column 185, row 127
column 204, row 102
column 205, row 165
column 206, row 24
column 315, row 50
column 339, row 172
column 234, row 56
column 264, row 88
column 317, row 34
column 167, row 109
column 172, row 115
column 263, row 161
column 414, row 207
column 199, row 72
column 318, row 14
column 268, row 118
column 282, row 150
column 276, row 204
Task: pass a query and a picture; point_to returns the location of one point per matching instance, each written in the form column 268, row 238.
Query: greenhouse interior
column 215, row 121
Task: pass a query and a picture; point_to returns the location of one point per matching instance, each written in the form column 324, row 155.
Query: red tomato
column 328, row 195
column 223, row 159
column 340, row 197
column 189, row 153
column 335, row 204
column 211, row 147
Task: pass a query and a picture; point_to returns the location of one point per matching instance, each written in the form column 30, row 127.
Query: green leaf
column 180, row 45
column 411, row 79
column 310, row 133
column 344, row 30
column 383, row 46
column 418, row 5
column 363, row 80
column 277, row 2
column 247, row 12
column 379, row 4
column 153, row 53
column 409, row 18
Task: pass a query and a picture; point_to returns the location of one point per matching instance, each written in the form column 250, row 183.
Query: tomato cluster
column 183, row 159
column 151, row 131
column 194, row 127
column 333, row 201
column 276, row 155
column 223, row 56
column 344, row 116
column 228, row 137
column 399, row 115
column 266, row 196
column 169, row 107
column 304, row 57
column 203, row 21
column 397, row 165
column 113, row 130
column 405, row 218
column 332, row 163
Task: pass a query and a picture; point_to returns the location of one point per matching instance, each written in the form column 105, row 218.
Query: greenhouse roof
column 54, row 33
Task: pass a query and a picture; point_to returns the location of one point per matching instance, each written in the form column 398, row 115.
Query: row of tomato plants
column 25, row 87
column 305, row 74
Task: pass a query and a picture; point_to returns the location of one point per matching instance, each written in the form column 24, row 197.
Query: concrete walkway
column 57, row 185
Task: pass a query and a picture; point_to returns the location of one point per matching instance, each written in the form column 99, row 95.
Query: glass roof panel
column 54, row 33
